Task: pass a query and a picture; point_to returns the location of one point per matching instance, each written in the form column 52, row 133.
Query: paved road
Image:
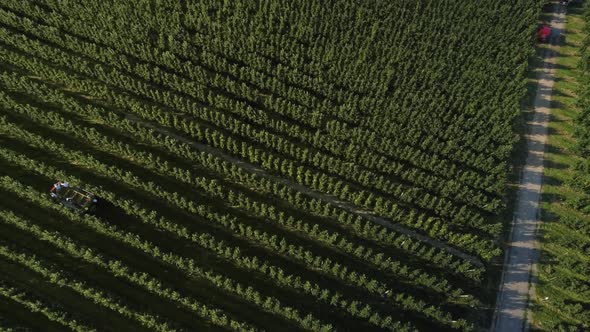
column 522, row 255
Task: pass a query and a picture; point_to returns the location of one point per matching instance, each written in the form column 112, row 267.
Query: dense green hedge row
column 216, row 165
column 400, row 210
column 211, row 127
column 35, row 305
column 325, row 265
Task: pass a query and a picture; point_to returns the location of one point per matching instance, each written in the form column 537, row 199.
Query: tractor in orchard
column 73, row 198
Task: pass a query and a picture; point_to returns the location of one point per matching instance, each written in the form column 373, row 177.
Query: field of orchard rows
column 273, row 165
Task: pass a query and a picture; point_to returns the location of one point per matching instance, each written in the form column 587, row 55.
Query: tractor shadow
column 106, row 210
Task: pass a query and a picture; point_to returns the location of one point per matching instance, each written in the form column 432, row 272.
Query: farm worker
column 56, row 187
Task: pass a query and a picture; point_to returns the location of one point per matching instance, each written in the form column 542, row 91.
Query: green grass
column 556, row 307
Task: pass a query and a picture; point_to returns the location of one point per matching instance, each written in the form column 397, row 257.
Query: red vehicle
column 544, row 33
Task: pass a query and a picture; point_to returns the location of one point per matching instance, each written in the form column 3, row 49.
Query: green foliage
column 35, row 305
column 240, row 128
column 564, row 291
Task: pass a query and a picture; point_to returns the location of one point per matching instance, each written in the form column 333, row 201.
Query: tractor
column 76, row 199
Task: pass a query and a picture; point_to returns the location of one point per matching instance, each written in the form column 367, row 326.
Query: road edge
column 557, row 10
